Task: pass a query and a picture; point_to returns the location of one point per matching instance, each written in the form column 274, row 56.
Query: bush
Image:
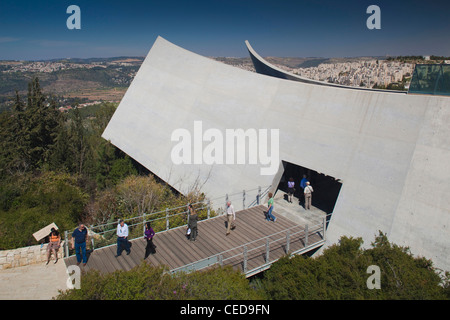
column 135, row 195
column 37, row 202
column 146, row 282
column 340, row 273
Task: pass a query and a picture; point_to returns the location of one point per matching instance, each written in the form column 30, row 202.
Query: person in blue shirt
column 303, row 182
column 79, row 238
column 303, row 186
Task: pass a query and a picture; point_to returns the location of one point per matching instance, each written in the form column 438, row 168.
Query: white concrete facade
column 391, row 151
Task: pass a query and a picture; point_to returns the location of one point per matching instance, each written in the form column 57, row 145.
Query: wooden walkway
column 253, row 234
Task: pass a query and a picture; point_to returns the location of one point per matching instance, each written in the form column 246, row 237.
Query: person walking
column 148, row 235
column 53, row 245
column 308, row 195
column 270, row 216
column 79, row 238
column 122, row 238
column 193, row 217
column 291, row 189
column 231, row 217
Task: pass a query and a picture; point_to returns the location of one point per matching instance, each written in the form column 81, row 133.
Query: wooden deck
column 175, row 251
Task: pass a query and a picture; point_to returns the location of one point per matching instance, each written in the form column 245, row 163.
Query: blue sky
column 34, row 30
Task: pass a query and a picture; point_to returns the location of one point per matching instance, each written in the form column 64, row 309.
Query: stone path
column 33, row 282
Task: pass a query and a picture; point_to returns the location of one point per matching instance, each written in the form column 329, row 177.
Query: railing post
column 220, row 260
column 66, row 244
column 306, row 236
column 243, row 199
column 324, row 227
column 188, row 214
column 267, row 249
column 209, row 209
column 92, row 243
column 167, row 218
column 143, row 223
column 287, row 242
column 245, row 259
column 258, row 196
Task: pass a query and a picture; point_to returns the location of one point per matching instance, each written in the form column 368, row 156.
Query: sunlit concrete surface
column 33, row 282
column 391, row 151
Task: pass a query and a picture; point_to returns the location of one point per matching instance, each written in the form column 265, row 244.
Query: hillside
column 92, row 79
column 107, row 79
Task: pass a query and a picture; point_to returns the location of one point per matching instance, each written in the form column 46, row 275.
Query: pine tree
column 42, row 125
column 29, row 132
column 79, row 143
column 13, row 153
column 61, row 155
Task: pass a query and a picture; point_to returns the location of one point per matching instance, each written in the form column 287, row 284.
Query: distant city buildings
column 362, row 73
column 69, row 107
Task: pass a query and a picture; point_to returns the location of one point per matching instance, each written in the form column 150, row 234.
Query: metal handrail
column 184, row 206
column 245, row 246
column 145, row 216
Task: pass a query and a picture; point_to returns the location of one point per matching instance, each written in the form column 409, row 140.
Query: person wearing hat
column 122, row 238
column 231, row 217
column 308, row 195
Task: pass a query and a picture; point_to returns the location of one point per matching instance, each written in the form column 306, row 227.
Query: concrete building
column 389, row 151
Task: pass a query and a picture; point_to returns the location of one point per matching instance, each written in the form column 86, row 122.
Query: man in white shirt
column 122, row 238
column 308, row 195
column 231, row 217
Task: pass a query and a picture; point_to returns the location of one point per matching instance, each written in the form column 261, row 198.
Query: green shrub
column 46, row 198
column 146, row 282
column 340, row 273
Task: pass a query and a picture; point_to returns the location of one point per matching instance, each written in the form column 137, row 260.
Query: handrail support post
column 287, row 242
column 245, row 259
column 306, row 236
column 167, row 218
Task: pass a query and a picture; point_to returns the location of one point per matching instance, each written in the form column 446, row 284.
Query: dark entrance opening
column 326, row 188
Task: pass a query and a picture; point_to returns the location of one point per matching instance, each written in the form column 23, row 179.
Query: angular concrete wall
column 391, row 151
column 268, row 69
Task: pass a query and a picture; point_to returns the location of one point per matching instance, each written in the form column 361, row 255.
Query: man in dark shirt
column 79, row 237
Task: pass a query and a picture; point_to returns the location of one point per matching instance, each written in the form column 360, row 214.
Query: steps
column 295, row 212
